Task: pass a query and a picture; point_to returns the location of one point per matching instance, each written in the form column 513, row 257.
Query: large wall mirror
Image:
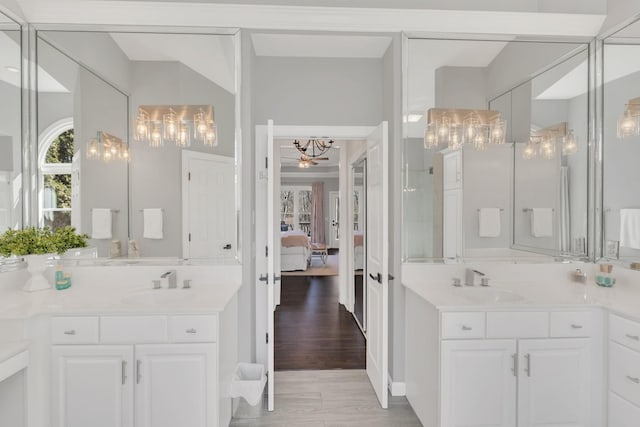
column 10, row 125
column 495, row 156
column 621, row 145
column 136, row 141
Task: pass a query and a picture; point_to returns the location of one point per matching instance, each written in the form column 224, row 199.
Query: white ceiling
column 320, row 46
column 209, row 55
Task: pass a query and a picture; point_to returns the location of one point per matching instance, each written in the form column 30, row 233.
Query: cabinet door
column 478, row 383
column 92, row 386
column 452, row 170
column 554, row 383
column 452, row 223
column 176, row 385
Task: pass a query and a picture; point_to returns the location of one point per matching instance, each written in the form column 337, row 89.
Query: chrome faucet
column 470, row 276
column 170, row 278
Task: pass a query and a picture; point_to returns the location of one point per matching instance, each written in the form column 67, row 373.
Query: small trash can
column 248, row 383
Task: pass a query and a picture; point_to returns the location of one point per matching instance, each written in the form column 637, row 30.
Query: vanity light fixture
column 314, row 147
column 157, row 124
column 107, row 147
column 543, row 142
column 629, row 122
column 455, row 127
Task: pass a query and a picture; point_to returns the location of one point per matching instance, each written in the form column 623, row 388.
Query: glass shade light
column 93, row 149
column 184, row 136
column 200, row 125
column 141, row 130
column 155, row 137
column 569, row 144
column 107, row 147
column 211, row 136
column 548, row 148
column 170, row 125
column 455, row 127
column 529, row 150
column 629, row 123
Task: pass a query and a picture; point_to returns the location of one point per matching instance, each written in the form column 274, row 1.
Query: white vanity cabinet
column 143, row 371
column 624, row 372
column 501, row 368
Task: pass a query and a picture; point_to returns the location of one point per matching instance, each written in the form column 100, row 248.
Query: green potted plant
column 37, row 246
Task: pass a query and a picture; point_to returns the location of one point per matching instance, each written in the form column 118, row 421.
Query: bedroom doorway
column 269, row 299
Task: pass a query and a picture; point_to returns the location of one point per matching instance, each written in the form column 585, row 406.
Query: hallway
column 313, row 331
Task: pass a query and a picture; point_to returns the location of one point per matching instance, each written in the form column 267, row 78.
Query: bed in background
column 295, row 251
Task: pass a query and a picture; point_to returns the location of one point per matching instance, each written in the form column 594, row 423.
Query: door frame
column 359, row 133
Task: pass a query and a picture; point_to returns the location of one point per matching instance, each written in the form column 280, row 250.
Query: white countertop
column 107, row 291
column 11, row 348
column 522, row 291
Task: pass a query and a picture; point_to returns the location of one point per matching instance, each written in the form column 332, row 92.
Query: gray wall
column 155, row 173
column 317, row 91
column 460, row 87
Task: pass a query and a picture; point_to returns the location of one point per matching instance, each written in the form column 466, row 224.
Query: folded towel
column 542, row 222
column 101, row 223
column 630, row 228
column 153, row 224
column 489, row 222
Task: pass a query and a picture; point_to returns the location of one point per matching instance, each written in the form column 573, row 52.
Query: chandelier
column 454, row 127
column 313, row 147
column 544, row 141
column 629, row 122
column 107, row 147
column 160, row 124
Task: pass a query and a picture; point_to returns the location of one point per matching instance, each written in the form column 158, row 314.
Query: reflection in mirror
column 460, row 195
column 621, row 145
column 359, row 227
column 10, row 126
column 137, row 144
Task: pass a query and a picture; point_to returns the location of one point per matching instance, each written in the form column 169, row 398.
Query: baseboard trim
column 397, row 388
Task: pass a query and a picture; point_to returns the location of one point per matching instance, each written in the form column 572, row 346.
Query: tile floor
column 326, row 398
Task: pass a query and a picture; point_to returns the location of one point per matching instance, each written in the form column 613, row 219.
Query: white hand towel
column 542, row 222
column 630, row 228
column 489, row 222
column 153, row 223
column 101, row 224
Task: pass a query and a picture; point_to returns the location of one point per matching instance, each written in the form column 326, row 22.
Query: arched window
column 55, row 156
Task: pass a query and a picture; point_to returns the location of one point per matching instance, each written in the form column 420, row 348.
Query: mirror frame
column 593, row 220
column 30, row 148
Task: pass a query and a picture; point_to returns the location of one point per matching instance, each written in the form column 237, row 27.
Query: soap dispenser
column 63, row 281
column 605, row 277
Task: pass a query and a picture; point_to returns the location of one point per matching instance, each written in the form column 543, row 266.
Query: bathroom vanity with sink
column 109, row 353
column 520, row 353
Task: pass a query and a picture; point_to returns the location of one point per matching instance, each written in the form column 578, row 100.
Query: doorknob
column 377, row 277
column 227, row 246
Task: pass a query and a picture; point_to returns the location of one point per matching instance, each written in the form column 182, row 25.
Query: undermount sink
column 490, row 294
column 159, row 297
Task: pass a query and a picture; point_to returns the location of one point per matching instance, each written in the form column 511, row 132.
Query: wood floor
column 326, row 398
column 313, row 331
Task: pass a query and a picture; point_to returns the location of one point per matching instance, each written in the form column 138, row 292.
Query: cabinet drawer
column 570, row 324
column 624, row 372
column 133, row 329
column 622, row 413
column 193, row 328
column 75, row 330
column 624, row 331
column 463, row 325
column 534, row 324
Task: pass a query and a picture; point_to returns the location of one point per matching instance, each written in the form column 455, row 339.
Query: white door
column 334, row 217
column 452, row 224
column 208, row 205
column 478, row 383
column 92, row 386
column 378, row 260
column 554, row 385
column 175, row 385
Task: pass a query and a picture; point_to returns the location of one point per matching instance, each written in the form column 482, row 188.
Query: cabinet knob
column 191, row 331
column 466, row 328
column 70, row 332
column 574, row 326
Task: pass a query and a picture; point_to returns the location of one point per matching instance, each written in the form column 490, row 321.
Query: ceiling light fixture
column 454, row 127
column 314, row 147
column 629, row 122
column 157, row 124
column 543, row 142
column 107, row 147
